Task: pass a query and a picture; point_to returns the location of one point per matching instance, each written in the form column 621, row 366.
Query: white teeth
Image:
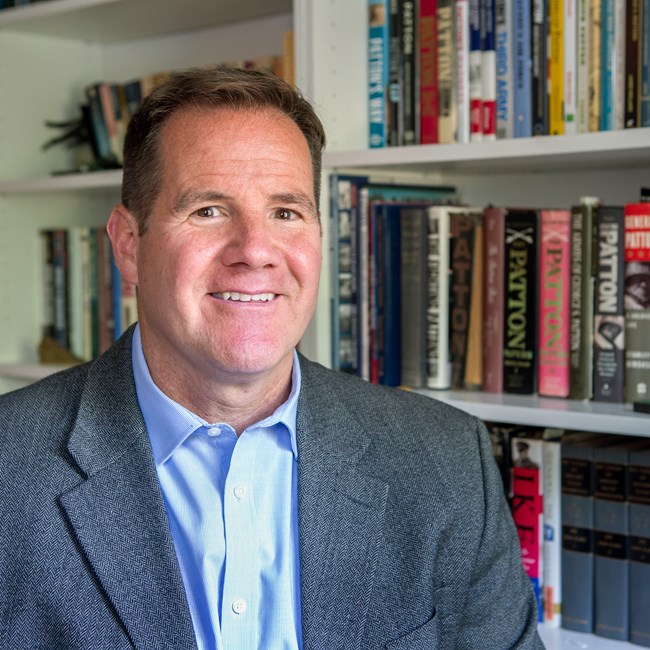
column 245, row 297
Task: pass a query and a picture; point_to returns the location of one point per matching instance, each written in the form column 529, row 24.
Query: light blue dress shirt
column 232, row 509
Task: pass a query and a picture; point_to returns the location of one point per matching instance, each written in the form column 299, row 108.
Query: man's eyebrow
column 192, row 197
column 295, row 198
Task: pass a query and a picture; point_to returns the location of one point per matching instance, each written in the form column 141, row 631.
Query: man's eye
column 284, row 214
column 207, row 213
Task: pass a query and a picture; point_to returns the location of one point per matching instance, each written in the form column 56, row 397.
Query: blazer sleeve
column 499, row 609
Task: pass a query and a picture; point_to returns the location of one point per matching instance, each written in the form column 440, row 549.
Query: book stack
column 551, row 302
column 87, row 305
column 442, row 71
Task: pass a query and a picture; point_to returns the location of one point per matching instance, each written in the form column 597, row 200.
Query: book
column 539, row 71
column 475, row 74
column 414, row 288
column 522, row 73
column 493, row 298
column 582, row 65
column 438, row 296
column 609, row 318
column 394, row 73
column 556, row 67
column 378, row 40
column 611, row 525
column 552, row 517
column 474, row 356
column 488, row 68
column 594, row 62
column 639, row 513
column 428, row 70
column 637, row 301
column 632, row 39
column 527, row 505
column 60, row 274
column 644, row 66
column 520, row 320
column 612, row 71
column 554, row 302
column 446, row 72
column 48, row 283
column 582, row 298
column 463, row 222
column 408, row 94
column 461, row 51
column 570, row 67
column 504, row 43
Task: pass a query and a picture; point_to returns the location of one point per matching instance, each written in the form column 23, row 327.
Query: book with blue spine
column 522, row 73
column 504, row 61
column 378, row 67
column 608, row 66
column 475, row 77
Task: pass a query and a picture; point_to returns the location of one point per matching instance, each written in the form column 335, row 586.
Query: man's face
column 228, row 269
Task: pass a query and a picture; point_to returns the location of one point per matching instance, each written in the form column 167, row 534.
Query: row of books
column 87, row 303
column 6, row 4
column 109, row 106
column 442, row 71
column 547, row 301
column 581, row 505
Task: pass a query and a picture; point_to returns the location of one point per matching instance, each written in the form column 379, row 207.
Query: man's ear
column 123, row 231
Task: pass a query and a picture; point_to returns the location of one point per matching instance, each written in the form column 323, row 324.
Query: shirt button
column 239, row 606
column 214, row 431
column 239, row 491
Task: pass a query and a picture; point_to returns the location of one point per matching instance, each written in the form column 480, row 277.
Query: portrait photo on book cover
column 637, row 285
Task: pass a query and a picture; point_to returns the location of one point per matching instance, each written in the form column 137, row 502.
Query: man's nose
column 252, row 242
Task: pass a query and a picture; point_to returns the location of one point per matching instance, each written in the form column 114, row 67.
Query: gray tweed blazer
column 405, row 538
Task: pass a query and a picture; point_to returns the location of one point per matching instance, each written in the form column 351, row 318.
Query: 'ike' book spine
column 493, row 298
column 521, row 281
column 639, row 498
column 637, row 302
column 609, row 319
column 554, row 314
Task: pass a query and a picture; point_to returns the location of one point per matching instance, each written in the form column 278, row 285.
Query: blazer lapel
column 340, row 518
column 118, row 514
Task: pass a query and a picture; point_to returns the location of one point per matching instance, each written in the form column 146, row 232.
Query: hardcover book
column 556, row 67
column 639, row 498
column 522, row 75
column 461, row 50
column 570, row 66
column 446, row 72
column 428, row 70
column 377, row 71
column 539, row 37
column 637, row 302
column 488, row 68
column 594, row 58
column 520, row 322
column 582, row 66
column 582, row 298
column 554, row 302
column 504, row 75
column 408, row 96
column 493, row 298
column 474, row 361
column 475, row 72
column 609, row 319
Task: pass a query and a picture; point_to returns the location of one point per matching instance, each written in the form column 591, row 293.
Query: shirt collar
column 169, row 423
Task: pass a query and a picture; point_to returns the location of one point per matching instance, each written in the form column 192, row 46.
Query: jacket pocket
column 424, row 637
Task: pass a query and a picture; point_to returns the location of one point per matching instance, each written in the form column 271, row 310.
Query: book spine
column 637, row 302
column 552, row 513
column 582, row 300
column 438, row 363
column 428, row 49
column 577, row 538
column 462, row 246
column 377, row 366
column 61, row 287
column 413, row 282
column 461, row 47
column 582, row 67
column 556, row 67
column 48, row 283
column 639, row 498
column 539, row 47
column 520, row 331
column 609, row 319
column 408, row 64
column 522, row 69
column 363, row 283
column 527, row 510
column 504, row 58
column 644, row 99
column 619, row 57
column 632, row 61
column 375, row 257
column 608, row 66
column 394, row 73
column 475, row 65
column 611, row 570
column 334, row 251
column 554, row 302
column 93, row 285
column 377, row 72
column 488, row 69
column 493, row 296
column 446, row 70
column 594, row 58
column 474, row 363
column 76, row 292
column 570, row 66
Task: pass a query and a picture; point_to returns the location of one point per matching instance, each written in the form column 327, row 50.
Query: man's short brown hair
column 215, row 87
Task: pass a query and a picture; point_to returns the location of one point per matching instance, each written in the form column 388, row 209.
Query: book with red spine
column 554, row 303
column 428, row 70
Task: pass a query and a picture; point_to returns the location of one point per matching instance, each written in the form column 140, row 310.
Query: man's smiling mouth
column 244, row 297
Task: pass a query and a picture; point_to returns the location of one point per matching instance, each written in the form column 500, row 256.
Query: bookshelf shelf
column 604, row 150
column 114, row 21
column 65, row 182
column 29, row 371
column 557, row 639
column 548, row 412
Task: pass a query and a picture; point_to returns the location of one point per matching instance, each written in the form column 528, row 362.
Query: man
column 201, row 484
